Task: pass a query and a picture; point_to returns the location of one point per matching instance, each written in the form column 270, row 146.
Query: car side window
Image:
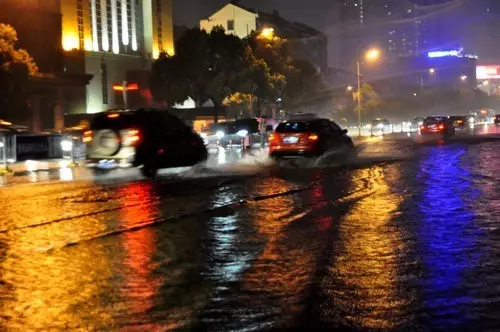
column 326, row 127
column 174, row 125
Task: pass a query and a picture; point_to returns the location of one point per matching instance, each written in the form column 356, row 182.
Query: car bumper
column 108, row 163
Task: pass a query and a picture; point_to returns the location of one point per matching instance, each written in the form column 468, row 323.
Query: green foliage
column 300, row 79
column 16, row 69
column 370, row 100
column 216, row 66
column 209, row 66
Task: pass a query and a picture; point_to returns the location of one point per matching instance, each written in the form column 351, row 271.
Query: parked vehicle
column 496, row 120
column 147, row 138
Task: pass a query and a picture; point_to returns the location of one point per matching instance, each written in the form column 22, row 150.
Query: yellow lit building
column 111, row 38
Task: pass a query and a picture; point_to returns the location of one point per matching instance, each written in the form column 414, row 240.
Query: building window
column 79, row 14
column 230, row 25
column 159, row 27
column 104, row 83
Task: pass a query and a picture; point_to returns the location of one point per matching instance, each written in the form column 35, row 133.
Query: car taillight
column 422, row 127
column 312, row 137
column 271, row 137
column 134, row 136
column 87, row 136
column 441, row 127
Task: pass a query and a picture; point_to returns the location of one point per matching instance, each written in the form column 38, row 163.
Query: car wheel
column 149, row 171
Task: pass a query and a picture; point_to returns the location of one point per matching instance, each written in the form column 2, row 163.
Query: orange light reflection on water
column 283, row 268
column 363, row 282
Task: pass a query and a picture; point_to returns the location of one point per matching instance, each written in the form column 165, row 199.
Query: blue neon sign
column 441, row 54
column 451, row 53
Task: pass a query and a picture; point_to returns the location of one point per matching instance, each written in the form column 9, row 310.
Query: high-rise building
column 113, row 38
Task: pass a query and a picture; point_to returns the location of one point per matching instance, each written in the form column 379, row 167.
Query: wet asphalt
column 403, row 236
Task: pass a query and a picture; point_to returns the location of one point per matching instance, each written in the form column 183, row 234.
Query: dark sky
column 316, row 13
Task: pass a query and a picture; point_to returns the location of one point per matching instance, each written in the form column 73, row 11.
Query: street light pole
column 359, row 97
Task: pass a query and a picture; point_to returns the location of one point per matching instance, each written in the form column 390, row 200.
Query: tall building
column 110, row 39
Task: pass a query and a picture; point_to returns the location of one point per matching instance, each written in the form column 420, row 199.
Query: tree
column 16, row 69
column 369, row 98
column 300, row 79
column 209, row 66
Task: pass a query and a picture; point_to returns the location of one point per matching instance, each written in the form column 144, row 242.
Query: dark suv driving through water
column 152, row 139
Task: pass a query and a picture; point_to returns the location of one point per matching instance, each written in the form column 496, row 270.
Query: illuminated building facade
column 113, row 38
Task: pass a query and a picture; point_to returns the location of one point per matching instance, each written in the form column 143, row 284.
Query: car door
column 337, row 134
column 328, row 134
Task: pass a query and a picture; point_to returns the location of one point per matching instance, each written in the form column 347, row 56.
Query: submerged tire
column 149, row 171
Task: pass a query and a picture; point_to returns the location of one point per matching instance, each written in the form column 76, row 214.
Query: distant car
column 437, row 125
column 380, row 126
column 460, row 121
column 150, row 138
column 307, row 138
column 230, row 132
column 496, row 120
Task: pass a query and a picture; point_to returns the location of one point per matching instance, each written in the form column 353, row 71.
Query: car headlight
column 242, row 133
column 67, row 145
column 220, row 134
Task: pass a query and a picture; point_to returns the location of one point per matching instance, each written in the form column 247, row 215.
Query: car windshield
column 294, row 127
column 435, row 119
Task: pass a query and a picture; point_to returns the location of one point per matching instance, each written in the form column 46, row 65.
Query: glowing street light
column 349, row 88
column 267, row 33
column 432, row 71
column 463, row 78
column 371, row 55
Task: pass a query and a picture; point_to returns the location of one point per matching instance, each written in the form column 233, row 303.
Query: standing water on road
column 402, row 237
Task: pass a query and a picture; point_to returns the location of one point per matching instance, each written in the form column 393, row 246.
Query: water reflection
column 139, row 286
column 63, row 289
column 361, row 288
column 448, row 237
column 280, row 276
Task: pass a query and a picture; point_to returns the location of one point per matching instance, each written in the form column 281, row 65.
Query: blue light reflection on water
column 448, row 236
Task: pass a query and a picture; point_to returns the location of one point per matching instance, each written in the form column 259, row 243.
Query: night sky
column 315, row 13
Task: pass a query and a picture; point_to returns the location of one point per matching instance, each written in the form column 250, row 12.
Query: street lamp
column 432, row 71
column 463, row 78
column 371, row 55
column 349, row 88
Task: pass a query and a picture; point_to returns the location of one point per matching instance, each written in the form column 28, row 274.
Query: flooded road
column 404, row 237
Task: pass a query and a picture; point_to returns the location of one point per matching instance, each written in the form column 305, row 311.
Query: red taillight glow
column 87, row 136
column 134, row 136
column 313, row 137
column 272, row 137
column 422, row 127
column 441, row 127
column 113, row 115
